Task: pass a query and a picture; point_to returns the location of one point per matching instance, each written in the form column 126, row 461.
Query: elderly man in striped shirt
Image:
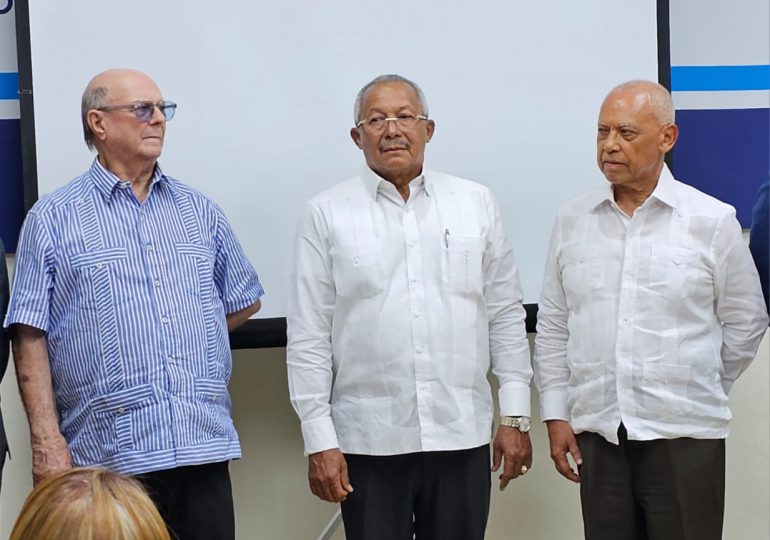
column 127, row 282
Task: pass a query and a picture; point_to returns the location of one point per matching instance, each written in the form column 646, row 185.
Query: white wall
column 273, row 502
column 266, row 89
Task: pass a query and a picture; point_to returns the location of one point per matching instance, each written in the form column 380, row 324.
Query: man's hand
column 327, row 472
column 49, row 457
column 515, row 448
column 563, row 442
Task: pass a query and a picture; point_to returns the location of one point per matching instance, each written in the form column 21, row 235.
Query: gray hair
column 659, row 96
column 386, row 79
column 93, row 98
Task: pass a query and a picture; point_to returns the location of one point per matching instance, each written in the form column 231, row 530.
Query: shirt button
column 170, row 359
column 149, row 247
column 99, row 265
column 355, row 260
column 164, row 320
column 157, row 283
column 121, row 410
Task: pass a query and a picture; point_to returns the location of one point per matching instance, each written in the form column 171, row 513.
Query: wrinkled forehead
column 391, row 95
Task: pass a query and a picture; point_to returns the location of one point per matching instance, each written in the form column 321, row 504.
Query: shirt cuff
column 319, row 435
column 514, row 399
column 554, row 406
column 34, row 319
column 249, row 298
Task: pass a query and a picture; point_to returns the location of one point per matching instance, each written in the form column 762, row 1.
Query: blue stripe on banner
column 725, row 154
column 719, row 78
column 9, row 86
column 11, row 190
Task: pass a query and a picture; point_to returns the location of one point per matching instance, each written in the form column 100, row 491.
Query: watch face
column 524, row 424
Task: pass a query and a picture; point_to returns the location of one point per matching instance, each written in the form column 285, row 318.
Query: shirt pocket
column 674, row 270
column 583, row 270
column 358, row 269
column 664, row 391
column 462, row 258
column 116, row 414
column 97, row 276
column 197, row 268
column 212, row 394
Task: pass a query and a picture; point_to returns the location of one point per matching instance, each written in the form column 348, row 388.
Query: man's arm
column 50, row 453
column 550, row 363
column 236, row 319
column 740, row 306
column 309, row 357
column 508, row 348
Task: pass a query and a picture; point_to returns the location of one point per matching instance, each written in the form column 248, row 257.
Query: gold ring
column 524, row 469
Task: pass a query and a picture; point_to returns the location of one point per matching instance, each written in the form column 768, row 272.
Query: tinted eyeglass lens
column 144, row 111
column 168, row 109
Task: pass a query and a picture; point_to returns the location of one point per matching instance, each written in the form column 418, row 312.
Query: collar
column 106, row 182
column 665, row 191
column 374, row 183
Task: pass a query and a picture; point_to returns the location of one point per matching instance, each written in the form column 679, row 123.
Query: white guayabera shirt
column 397, row 309
column 646, row 320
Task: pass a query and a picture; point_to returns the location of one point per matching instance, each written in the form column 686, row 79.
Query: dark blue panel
column 725, row 153
column 719, row 78
column 11, row 192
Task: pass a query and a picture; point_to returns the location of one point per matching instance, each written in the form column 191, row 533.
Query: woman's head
column 89, row 504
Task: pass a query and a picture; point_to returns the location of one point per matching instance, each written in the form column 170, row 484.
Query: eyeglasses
column 143, row 110
column 375, row 124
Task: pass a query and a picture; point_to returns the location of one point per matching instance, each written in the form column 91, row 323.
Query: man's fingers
column 564, row 468
column 497, row 455
column 344, row 478
column 574, row 450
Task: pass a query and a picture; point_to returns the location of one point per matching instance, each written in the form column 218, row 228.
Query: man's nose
column 157, row 115
column 391, row 126
column 611, row 142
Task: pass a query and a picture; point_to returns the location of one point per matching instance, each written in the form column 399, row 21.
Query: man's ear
column 431, row 127
column 669, row 135
column 96, row 122
column 355, row 134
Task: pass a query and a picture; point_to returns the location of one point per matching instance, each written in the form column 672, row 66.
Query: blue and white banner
column 11, row 191
column 720, row 80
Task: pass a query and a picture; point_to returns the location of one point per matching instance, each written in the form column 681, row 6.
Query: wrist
column 522, row 423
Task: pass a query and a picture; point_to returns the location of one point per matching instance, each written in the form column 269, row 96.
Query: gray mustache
column 394, row 145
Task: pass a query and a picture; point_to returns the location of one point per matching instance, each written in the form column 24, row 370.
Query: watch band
column 522, row 423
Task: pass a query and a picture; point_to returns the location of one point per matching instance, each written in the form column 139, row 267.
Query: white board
column 266, row 89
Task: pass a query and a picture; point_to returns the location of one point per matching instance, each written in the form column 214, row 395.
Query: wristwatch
column 522, row 423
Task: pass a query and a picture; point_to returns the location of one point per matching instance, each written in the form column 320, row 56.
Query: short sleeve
column 234, row 275
column 34, row 277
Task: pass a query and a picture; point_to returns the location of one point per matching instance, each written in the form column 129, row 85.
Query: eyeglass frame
column 362, row 123
column 136, row 106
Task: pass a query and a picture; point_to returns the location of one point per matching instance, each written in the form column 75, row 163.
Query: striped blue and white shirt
column 133, row 298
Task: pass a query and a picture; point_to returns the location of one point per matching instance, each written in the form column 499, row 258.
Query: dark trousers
column 663, row 489
column 196, row 502
column 425, row 495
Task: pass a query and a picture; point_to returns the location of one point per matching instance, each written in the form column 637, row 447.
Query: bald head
column 101, row 90
column 656, row 96
column 635, row 130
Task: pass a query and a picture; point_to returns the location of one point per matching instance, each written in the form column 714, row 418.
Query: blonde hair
column 89, row 504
